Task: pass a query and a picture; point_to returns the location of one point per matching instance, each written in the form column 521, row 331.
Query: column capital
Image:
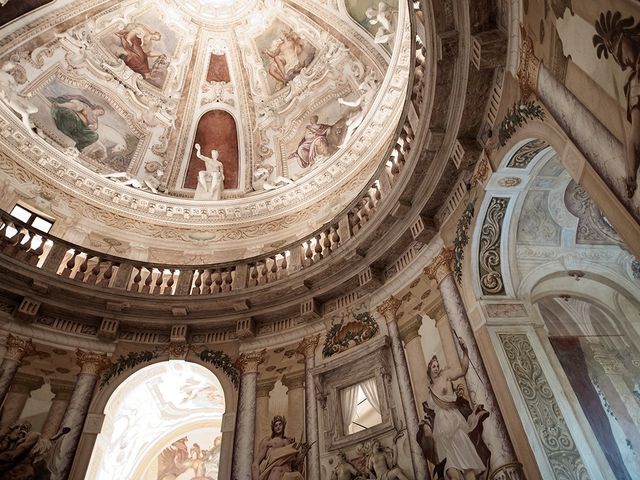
column 294, row 380
column 18, row 348
column 528, row 66
column 411, row 329
column 389, row 308
column 440, row 266
column 264, row 387
column 61, row 389
column 26, row 383
column 248, row 362
column 307, row 346
column 92, row 363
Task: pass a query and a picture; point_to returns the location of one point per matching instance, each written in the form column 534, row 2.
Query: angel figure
column 359, row 107
column 18, row 102
column 382, row 17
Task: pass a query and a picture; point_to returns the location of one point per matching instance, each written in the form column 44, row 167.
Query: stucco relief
column 551, row 427
column 536, row 226
column 489, row 257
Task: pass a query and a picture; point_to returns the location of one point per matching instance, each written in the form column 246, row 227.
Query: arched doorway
column 162, row 423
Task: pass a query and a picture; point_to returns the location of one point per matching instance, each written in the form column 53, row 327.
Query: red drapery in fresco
column 216, row 130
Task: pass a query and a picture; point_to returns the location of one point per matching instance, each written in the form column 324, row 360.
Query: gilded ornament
column 439, row 267
column 389, row 308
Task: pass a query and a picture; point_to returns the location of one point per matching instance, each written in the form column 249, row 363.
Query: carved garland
column 341, row 337
column 517, row 116
column 461, row 240
column 222, row 361
column 489, row 258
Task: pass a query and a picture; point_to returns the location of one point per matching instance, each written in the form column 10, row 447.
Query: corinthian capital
column 18, row 348
column 389, row 308
column 307, row 346
column 440, row 266
column 92, row 363
column 528, row 67
column 248, row 362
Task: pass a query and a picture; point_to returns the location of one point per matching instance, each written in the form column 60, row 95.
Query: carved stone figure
column 18, row 102
column 264, row 179
column 382, row 463
column 211, row 179
column 367, row 90
column 620, row 38
column 279, row 457
column 344, row 470
column 25, row 455
column 383, row 17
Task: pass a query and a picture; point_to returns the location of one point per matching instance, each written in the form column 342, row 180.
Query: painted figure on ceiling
column 620, row 38
column 137, row 42
column 314, row 146
column 279, row 457
column 77, row 118
column 211, row 179
column 288, row 55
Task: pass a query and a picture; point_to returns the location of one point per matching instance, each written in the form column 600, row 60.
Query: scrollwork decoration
column 490, row 236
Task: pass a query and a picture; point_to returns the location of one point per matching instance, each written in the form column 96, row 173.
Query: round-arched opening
column 163, row 422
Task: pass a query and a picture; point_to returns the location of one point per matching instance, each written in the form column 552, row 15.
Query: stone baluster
column 91, row 365
column 243, row 442
column 409, row 332
column 16, row 349
column 263, row 389
column 295, row 404
column 478, row 383
column 389, row 310
column 62, row 391
column 21, row 387
column 307, row 348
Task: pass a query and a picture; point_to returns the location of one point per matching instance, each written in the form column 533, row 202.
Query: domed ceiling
column 235, row 125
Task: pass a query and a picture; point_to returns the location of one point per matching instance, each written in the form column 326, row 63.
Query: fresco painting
column 218, row 70
column 81, row 120
column 216, row 131
column 376, row 17
column 12, row 9
column 146, row 45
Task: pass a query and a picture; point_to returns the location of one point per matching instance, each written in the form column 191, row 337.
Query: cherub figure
column 18, row 102
column 383, row 17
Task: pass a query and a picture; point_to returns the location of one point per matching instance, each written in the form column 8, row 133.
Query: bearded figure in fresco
column 137, row 41
column 288, row 55
column 279, row 457
column 620, row 38
column 77, row 118
column 451, row 433
column 318, row 142
column 26, row 455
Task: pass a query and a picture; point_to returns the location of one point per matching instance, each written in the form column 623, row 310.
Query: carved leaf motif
column 489, row 262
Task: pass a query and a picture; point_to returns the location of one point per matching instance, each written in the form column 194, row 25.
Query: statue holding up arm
column 18, row 102
column 211, row 179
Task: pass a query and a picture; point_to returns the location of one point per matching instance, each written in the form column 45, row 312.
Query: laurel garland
column 127, row 362
column 461, row 240
column 517, row 116
column 222, row 361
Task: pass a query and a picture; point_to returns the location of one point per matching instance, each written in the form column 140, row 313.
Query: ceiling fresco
column 282, row 97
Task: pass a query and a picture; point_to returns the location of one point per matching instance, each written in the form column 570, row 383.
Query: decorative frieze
column 489, row 261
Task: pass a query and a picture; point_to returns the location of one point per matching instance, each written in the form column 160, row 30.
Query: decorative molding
column 528, row 67
column 18, row 347
column 517, row 116
column 92, row 363
column 439, row 267
column 461, row 240
column 526, row 153
column 506, row 310
column 389, row 308
column 489, row 256
column 343, row 336
column 551, row 427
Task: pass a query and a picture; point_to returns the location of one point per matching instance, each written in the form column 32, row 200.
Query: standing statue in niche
column 446, row 433
column 279, row 457
column 359, row 108
column 211, row 179
column 620, row 38
column 17, row 102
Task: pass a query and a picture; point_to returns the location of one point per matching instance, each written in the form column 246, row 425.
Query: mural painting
column 284, row 53
column 218, row 70
column 376, row 17
column 146, row 46
column 12, row 9
column 216, row 131
column 80, row 120
column 195, row 456
column 279, row 457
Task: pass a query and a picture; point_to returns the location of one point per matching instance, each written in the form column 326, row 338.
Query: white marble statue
column 211, row 179
column 150, row 183
column 367, row 90
column 18, row 102
column 264, row 179
column 382, row 463
column 383, row 17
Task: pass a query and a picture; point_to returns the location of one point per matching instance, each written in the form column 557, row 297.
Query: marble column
column 598, row 145
column 16, row 349
column 295, row 404
column 91, row 366
column 243, row 441
column 263, row 428
column 389, row 310
column 62, row 394
column 409, row 332
column 307, row 348
column 21, row 387
column 478, row 383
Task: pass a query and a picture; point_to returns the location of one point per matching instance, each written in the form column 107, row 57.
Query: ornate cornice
column 18, row 348
column 437, row 312
column 92, row 363
column 411, row 330
column 528, row 67
column 389, row 308
column 307, row 347
column 248, row 362
column 294, row 380
column 264, row 387
column 440, row 267
column 61, row 389
column 25, row 383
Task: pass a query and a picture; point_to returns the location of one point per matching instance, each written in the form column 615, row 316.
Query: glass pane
column 360, row 406
column 21, row 213
column 42, row 224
